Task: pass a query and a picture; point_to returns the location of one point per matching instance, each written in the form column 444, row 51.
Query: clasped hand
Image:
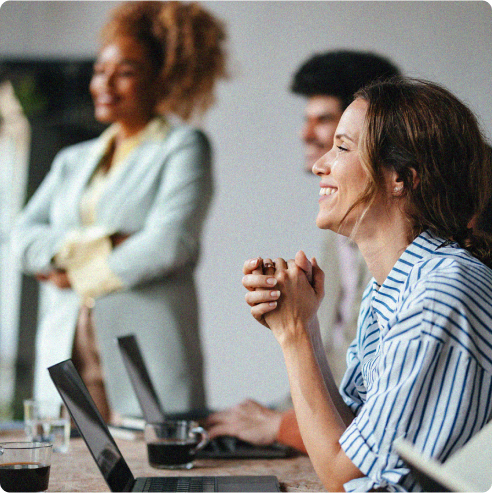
column 58, row 277
column 284, row 295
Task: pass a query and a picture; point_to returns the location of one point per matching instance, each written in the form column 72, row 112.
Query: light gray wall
column 265, row 205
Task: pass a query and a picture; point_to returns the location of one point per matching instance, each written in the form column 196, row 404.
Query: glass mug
column 173, row 444
column 25, row 466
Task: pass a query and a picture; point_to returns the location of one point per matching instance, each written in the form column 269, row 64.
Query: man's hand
column 248, row 421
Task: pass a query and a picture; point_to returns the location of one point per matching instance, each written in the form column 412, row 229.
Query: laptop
column 111, row 462
column 467, row 469
column 224, row 447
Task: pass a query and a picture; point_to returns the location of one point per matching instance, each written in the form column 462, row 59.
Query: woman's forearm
column 320, row 422
column 345, row 412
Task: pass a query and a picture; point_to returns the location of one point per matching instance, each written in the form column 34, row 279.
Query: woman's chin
column 323, row 222
column 104, row 116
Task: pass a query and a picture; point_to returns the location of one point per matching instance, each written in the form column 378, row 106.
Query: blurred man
column 328, row 81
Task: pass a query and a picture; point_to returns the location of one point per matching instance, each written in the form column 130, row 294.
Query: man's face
column 322, row 115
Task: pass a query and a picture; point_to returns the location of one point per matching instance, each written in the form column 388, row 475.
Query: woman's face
column 124, row 85
column 343, row 179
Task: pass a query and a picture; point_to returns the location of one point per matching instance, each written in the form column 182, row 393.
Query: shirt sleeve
column 35, row 240
column 352, row 386
column 428, row 389
column 84, row 255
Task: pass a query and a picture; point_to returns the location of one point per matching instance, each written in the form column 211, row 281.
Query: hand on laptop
column 248, row 421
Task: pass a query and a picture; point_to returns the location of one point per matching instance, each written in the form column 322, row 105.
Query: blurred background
column 265, row 204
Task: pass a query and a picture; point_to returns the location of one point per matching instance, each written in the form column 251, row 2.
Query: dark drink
column 24, row 476
column 162, row 454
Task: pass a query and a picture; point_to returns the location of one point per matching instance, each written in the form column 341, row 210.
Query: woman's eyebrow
column 129, row 61
column 345, row 136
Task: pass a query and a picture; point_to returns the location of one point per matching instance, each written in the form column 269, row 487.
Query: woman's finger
column 280, row 264
column 258, row 311
column 318, row 279
column 255, row 281
column 251, row 265
column 303, row 263
column 269, row 296
column 268, row 267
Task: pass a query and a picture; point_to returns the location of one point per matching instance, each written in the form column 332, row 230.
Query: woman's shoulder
column 76, row 150
column 454, row 279
column 457, row 281
column 183, row 133
column 447, row 302
column 455, row 264
column 172, row 143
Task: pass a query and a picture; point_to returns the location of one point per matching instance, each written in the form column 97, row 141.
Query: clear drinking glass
column 47, row 422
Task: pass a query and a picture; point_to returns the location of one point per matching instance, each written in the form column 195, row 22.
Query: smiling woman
column 343, row 179
column 113, row 232
column 408, row 174
column 124, row 86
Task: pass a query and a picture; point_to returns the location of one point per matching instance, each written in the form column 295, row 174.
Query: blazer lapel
column 83, row 175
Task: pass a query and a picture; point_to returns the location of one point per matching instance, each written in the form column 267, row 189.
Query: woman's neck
column 123, row 133
column 382, row 245
column 127, row 131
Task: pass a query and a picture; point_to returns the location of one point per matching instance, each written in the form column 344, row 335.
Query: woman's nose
column 323, row 165
column 109, row 78
column 106, row 78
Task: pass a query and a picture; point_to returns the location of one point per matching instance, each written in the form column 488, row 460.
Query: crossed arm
column 59, row 277
column 285, row 296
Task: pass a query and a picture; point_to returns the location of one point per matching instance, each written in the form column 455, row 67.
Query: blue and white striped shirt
column 421, row 365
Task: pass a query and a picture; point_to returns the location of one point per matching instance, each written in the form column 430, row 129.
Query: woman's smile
column 324, row 191
column 343, row 179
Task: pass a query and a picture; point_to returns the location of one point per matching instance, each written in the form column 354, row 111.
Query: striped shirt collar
column 385, row 297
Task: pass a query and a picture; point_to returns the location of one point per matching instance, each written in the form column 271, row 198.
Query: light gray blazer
column 160, row 198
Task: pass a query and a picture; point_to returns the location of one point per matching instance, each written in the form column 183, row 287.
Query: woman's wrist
column 294, row 338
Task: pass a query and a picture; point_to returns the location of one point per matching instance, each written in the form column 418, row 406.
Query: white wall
column 264, row 204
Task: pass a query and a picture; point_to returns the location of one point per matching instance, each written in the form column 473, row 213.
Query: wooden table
column 77, row 471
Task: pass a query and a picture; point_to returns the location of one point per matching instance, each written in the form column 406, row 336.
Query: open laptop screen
column 140, row 379
column 91, row 425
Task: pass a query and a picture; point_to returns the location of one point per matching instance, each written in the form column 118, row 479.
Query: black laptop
column 225, row 447
column 108, row 457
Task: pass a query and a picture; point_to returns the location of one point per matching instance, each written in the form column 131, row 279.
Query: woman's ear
column 415, row 178
column 397, row 185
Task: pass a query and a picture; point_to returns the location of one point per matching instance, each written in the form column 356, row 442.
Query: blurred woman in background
column 113, row 232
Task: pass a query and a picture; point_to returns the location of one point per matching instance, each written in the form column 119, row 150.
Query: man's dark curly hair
column 341, row 74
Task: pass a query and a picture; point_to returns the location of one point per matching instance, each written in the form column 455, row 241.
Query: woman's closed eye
column 97, row 70
column 126, row 72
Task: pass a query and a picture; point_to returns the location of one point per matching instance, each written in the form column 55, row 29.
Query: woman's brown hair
column 185, row 44
column 419, row 129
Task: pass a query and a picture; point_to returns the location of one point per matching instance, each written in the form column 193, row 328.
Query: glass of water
column 47, row 422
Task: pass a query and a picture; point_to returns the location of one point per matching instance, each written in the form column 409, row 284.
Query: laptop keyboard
column 228, row 447
column 224, row 444
column 179, row 484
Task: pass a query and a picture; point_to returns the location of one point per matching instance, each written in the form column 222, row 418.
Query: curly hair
column 416, row 127
column 340, row 74
column 185, row 44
